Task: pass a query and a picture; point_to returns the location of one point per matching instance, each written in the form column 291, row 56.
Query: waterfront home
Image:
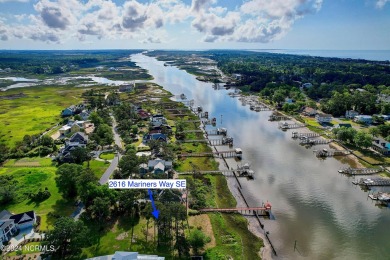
column 308, row 111
column 155, row 136
column 350, row 114
column 381, row 145
column 365, row 119
column 10, row 223
column 323, row 118
column 159, row 166
column 157, row 120
column 143, row 168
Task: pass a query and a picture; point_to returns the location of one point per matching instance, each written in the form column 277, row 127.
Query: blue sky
column 195, row 24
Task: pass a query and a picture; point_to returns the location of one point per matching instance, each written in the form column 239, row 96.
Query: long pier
column 229, row 173
column 373, row 182
column 330, row 153
column 278, row 118
column 309, row 141
column 304, row 135
column 226, row 154
column 359, row 171
column 285, row 126
column 240, row 210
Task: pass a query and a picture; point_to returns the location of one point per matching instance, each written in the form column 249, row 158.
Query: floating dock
column 237, row 153
column 372, row 182
column 278, row 118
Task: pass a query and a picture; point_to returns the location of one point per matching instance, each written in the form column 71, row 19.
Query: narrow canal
column 314, row 205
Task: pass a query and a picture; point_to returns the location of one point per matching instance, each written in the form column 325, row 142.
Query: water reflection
column 314, row 205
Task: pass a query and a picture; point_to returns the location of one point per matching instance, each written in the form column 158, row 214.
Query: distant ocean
column 377, row 55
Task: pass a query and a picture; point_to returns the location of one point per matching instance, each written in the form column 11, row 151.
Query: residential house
column 126, row 88
column 323, row 118
column 237, row 76
column 64, row 130
column 351, row 114
column 143, row 169
column 157, row 120
column 69, row 111
column 155, row 136
column 84, row 115
column 10, row 223
column 365, row 119
column 77, row 126
column 159, row 166
column 308, row 111
column 79, row 137
column 78, row 140
column 142, row 114
column 381, row 145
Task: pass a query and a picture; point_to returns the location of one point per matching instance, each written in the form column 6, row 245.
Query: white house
column 363, row 119
column 323, row 118
column 351, row 114
column 9, row 223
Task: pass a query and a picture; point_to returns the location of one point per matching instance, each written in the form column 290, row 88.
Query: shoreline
column 264, row 252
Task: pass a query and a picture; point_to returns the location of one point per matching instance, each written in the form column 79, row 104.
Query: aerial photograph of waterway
column 194, row 129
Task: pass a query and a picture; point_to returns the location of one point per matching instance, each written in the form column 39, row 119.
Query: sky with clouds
column 195, row 24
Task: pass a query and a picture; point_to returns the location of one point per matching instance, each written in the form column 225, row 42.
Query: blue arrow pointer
column 155, row 211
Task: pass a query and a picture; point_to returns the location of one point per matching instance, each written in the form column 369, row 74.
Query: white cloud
column 381, row 3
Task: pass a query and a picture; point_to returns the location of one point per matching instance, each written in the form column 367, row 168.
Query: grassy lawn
column 107, row 156
column 97, row 167
column 31, row 180
column 233, row 240
column 34, row 113
column 28, row 248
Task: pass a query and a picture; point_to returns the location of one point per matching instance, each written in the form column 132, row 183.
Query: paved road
column 114, row 163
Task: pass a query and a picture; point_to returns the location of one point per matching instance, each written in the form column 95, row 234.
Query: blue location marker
column 155, row 211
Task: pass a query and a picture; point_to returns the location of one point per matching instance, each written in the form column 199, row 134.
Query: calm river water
column 322, row 210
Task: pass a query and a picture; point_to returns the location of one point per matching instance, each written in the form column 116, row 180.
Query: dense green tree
column 198, row 240
column 80, row 155
column 363, row 140
column 68, row 237
column 345, row 134
column 67, row 175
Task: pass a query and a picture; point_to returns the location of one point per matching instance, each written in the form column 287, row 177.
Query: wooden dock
column 228, row 173
column 330, row 153
column 226, row 154
column 309, row 141
column 304, row 135
column 213, row 142
column 359, row 171
column 285, row 125
column 240, row 210
column 278, row 118
column 373, row 182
